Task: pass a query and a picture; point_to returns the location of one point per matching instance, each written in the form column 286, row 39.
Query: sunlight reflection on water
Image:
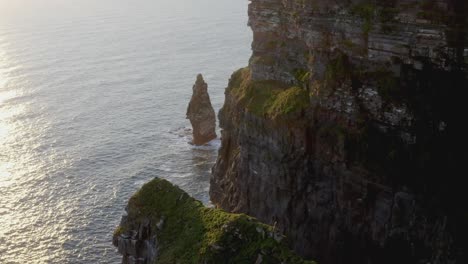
column 92, row 106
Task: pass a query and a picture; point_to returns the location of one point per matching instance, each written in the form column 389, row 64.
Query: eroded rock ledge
column 165, row 225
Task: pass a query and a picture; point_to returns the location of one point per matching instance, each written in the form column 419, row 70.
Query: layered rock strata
column 346, row 130
column 165, row 225
column 201, row 114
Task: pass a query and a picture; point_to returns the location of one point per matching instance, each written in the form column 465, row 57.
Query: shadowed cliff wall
column 346, row 130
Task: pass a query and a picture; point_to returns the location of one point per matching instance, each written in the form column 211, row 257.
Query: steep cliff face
column 165, row 225
column 346, row 130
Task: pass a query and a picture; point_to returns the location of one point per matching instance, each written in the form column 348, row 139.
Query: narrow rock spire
column 201, row 114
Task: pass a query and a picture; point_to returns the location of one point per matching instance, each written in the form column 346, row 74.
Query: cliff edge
column 346, row 129
column 165, row 225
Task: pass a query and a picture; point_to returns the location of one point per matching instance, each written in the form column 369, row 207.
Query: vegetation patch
column 302, row 77
column 291, row 100
column 270, row 98
column 119, row 230
column 192, row 233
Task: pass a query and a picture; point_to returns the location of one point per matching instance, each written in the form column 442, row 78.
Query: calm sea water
column 92, row 105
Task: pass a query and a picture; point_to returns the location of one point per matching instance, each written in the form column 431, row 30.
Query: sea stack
column 201, row 114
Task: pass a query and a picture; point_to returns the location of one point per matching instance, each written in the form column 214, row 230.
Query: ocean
column 93, row 96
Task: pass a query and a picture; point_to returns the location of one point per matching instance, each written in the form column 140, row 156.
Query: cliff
column 165, row 225
column 346, row 130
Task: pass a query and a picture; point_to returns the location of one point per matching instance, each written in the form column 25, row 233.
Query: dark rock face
column 371, row 170
column 137, row 246
column 201, row 114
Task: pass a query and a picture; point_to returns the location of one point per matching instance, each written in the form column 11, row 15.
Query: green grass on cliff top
column 192, row 233
column 272, row 99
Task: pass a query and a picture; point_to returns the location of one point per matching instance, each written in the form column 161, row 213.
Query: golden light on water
column 5, row 165
column 4, row 96
column 6, row 113
column 3, row 79
column 73, row 146
column 22, row 214
column 5, row 168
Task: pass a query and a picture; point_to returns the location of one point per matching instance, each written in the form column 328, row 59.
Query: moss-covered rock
column 291, row 100
column 181, row 230
column 272, row 99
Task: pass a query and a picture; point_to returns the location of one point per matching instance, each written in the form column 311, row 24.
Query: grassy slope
column 193, row 233
column 271, row 99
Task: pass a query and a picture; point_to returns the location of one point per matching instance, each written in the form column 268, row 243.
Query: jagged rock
column 192, row 233
column 358, row 171
column 201, row 114
column 135, row 242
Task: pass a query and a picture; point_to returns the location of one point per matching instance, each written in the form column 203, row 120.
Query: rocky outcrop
column 137, row 246
column 201, row 114
column 165, row 225
column 346, row 129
